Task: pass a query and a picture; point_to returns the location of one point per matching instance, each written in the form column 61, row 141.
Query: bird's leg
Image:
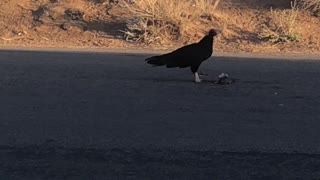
column 197, row 78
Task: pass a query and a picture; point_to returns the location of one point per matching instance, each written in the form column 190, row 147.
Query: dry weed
column 165, row 19
column 282, row 25
column 313, row 5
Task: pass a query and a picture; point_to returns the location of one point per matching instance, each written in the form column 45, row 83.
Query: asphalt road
column 94, row 115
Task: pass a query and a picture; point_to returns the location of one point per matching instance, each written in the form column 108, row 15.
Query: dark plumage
column 191, row 55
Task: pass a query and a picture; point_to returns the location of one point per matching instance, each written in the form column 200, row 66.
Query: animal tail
column 156, row 60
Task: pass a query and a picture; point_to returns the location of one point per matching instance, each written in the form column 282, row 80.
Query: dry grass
column 155, row 20
column 313, row 5
column 166, row 24
column 282, row 26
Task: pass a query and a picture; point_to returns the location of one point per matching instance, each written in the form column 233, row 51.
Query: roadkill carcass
column 223, row 79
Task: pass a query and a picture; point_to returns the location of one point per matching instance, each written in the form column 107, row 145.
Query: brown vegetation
column 249, row 25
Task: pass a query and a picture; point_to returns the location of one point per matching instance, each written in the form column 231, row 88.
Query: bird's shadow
column 157, row 79
column 161, row 80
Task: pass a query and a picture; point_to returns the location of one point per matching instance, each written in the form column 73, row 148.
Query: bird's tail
column 156, row 60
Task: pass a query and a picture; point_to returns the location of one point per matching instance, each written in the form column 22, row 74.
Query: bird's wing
column 184, row 51
column 181, row 57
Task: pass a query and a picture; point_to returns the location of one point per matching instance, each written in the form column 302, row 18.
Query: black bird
column 191, row 55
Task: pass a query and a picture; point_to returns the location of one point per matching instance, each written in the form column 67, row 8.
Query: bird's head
column 213, row 32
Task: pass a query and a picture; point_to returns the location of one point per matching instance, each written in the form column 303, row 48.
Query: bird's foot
column 197, row 78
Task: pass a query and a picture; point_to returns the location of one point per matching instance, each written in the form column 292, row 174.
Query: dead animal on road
column 191, row 55
column 222, row 79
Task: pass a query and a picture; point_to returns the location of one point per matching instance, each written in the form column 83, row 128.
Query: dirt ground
column 97, row 24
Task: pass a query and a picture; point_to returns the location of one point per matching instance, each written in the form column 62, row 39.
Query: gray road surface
column 94, row 115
